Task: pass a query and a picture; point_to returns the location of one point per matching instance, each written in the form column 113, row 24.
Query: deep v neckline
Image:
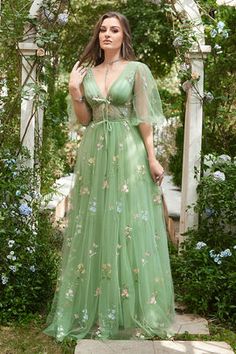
column 114, row 82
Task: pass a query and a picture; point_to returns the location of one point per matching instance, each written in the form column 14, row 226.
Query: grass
column 29, row 339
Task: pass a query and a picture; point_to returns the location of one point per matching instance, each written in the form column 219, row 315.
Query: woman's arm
column 76, row 91
column 156, row 169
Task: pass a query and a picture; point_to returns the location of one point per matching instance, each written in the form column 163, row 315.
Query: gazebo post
column 192, row 143
column 28, row 77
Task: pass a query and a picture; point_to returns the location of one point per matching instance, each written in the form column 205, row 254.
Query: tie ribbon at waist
column 105, row 121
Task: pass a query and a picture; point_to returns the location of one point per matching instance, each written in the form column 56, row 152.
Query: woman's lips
column 106, row 42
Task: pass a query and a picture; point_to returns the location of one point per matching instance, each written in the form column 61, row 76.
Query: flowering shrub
column 27, row 261
column 204, row 273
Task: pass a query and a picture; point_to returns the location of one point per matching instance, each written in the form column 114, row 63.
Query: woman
column 115, row 280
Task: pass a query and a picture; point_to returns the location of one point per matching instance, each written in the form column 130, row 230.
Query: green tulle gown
column 115, row 278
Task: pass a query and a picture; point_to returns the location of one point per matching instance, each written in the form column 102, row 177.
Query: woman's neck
column 111, row 58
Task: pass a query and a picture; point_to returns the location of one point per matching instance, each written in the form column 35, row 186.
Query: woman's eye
column 102, row 30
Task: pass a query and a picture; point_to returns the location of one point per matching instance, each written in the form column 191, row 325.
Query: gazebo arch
column 32, row 118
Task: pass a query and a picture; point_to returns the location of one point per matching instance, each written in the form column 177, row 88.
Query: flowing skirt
column 115, row 279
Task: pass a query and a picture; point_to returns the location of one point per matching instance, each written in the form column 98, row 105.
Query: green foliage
column 151, row 32
column 204, row 274
column 219, row 122
column 28, row 258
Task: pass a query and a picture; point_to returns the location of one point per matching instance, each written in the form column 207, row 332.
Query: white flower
column 224, row 158
column 13, row 268
column 11, row 256
column 32, row 268
column 200, row 245
column 220, row 26
column 219, row 176
column 208, row 97
column 62, row 18
column 213, row 33
column 178, row 42
column 184, row 67
column 234, row 247
column 225, row 34
column 30, row 249
column 11, row 243
column 4, row 279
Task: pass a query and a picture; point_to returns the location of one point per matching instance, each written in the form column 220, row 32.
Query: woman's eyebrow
column 110, row 27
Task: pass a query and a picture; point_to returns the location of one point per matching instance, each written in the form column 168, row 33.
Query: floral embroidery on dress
column 118, row 247
column 100, row 144
column 91, row 161
column 84, row 191
column 70, row 294
column 157, row 199
column 141, row 170
column 115, row 158
column 157, row 236
column 105, row 184
column 128, row 232
column 142, row 215
column 111, row 314
column 106, row 270
column 125, row 293
column 93, row 206
column 125, row 188
column 80, row 270
column 119, row 207
column 153, row 299
column 98, row 292
column 93, row 251
column 85, row 315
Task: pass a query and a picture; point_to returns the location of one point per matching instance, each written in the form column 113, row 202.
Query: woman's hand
column 157, row 171
column 76, row 78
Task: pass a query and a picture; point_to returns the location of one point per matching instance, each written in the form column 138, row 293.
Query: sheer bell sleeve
column 147, row 106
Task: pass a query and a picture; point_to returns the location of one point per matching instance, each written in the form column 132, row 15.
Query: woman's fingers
column 159, row 178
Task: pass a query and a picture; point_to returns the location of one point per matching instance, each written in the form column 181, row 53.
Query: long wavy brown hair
column 94, row 55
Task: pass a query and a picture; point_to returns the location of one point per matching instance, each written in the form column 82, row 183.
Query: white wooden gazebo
column 32, row 119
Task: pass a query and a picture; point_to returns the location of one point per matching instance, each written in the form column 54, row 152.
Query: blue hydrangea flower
column 25, row 210
column 62, row 18
column 208, row 97
column 213, row 33
column 220, row 26
column 219, row 176
column 209, row 212
column 178, row 42
column 226, row 253
column 32, row 268
column 212, row 253
column 225, row 34
column 200, row 245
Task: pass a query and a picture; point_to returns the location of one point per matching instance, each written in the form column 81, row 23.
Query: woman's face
column 111, row 34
